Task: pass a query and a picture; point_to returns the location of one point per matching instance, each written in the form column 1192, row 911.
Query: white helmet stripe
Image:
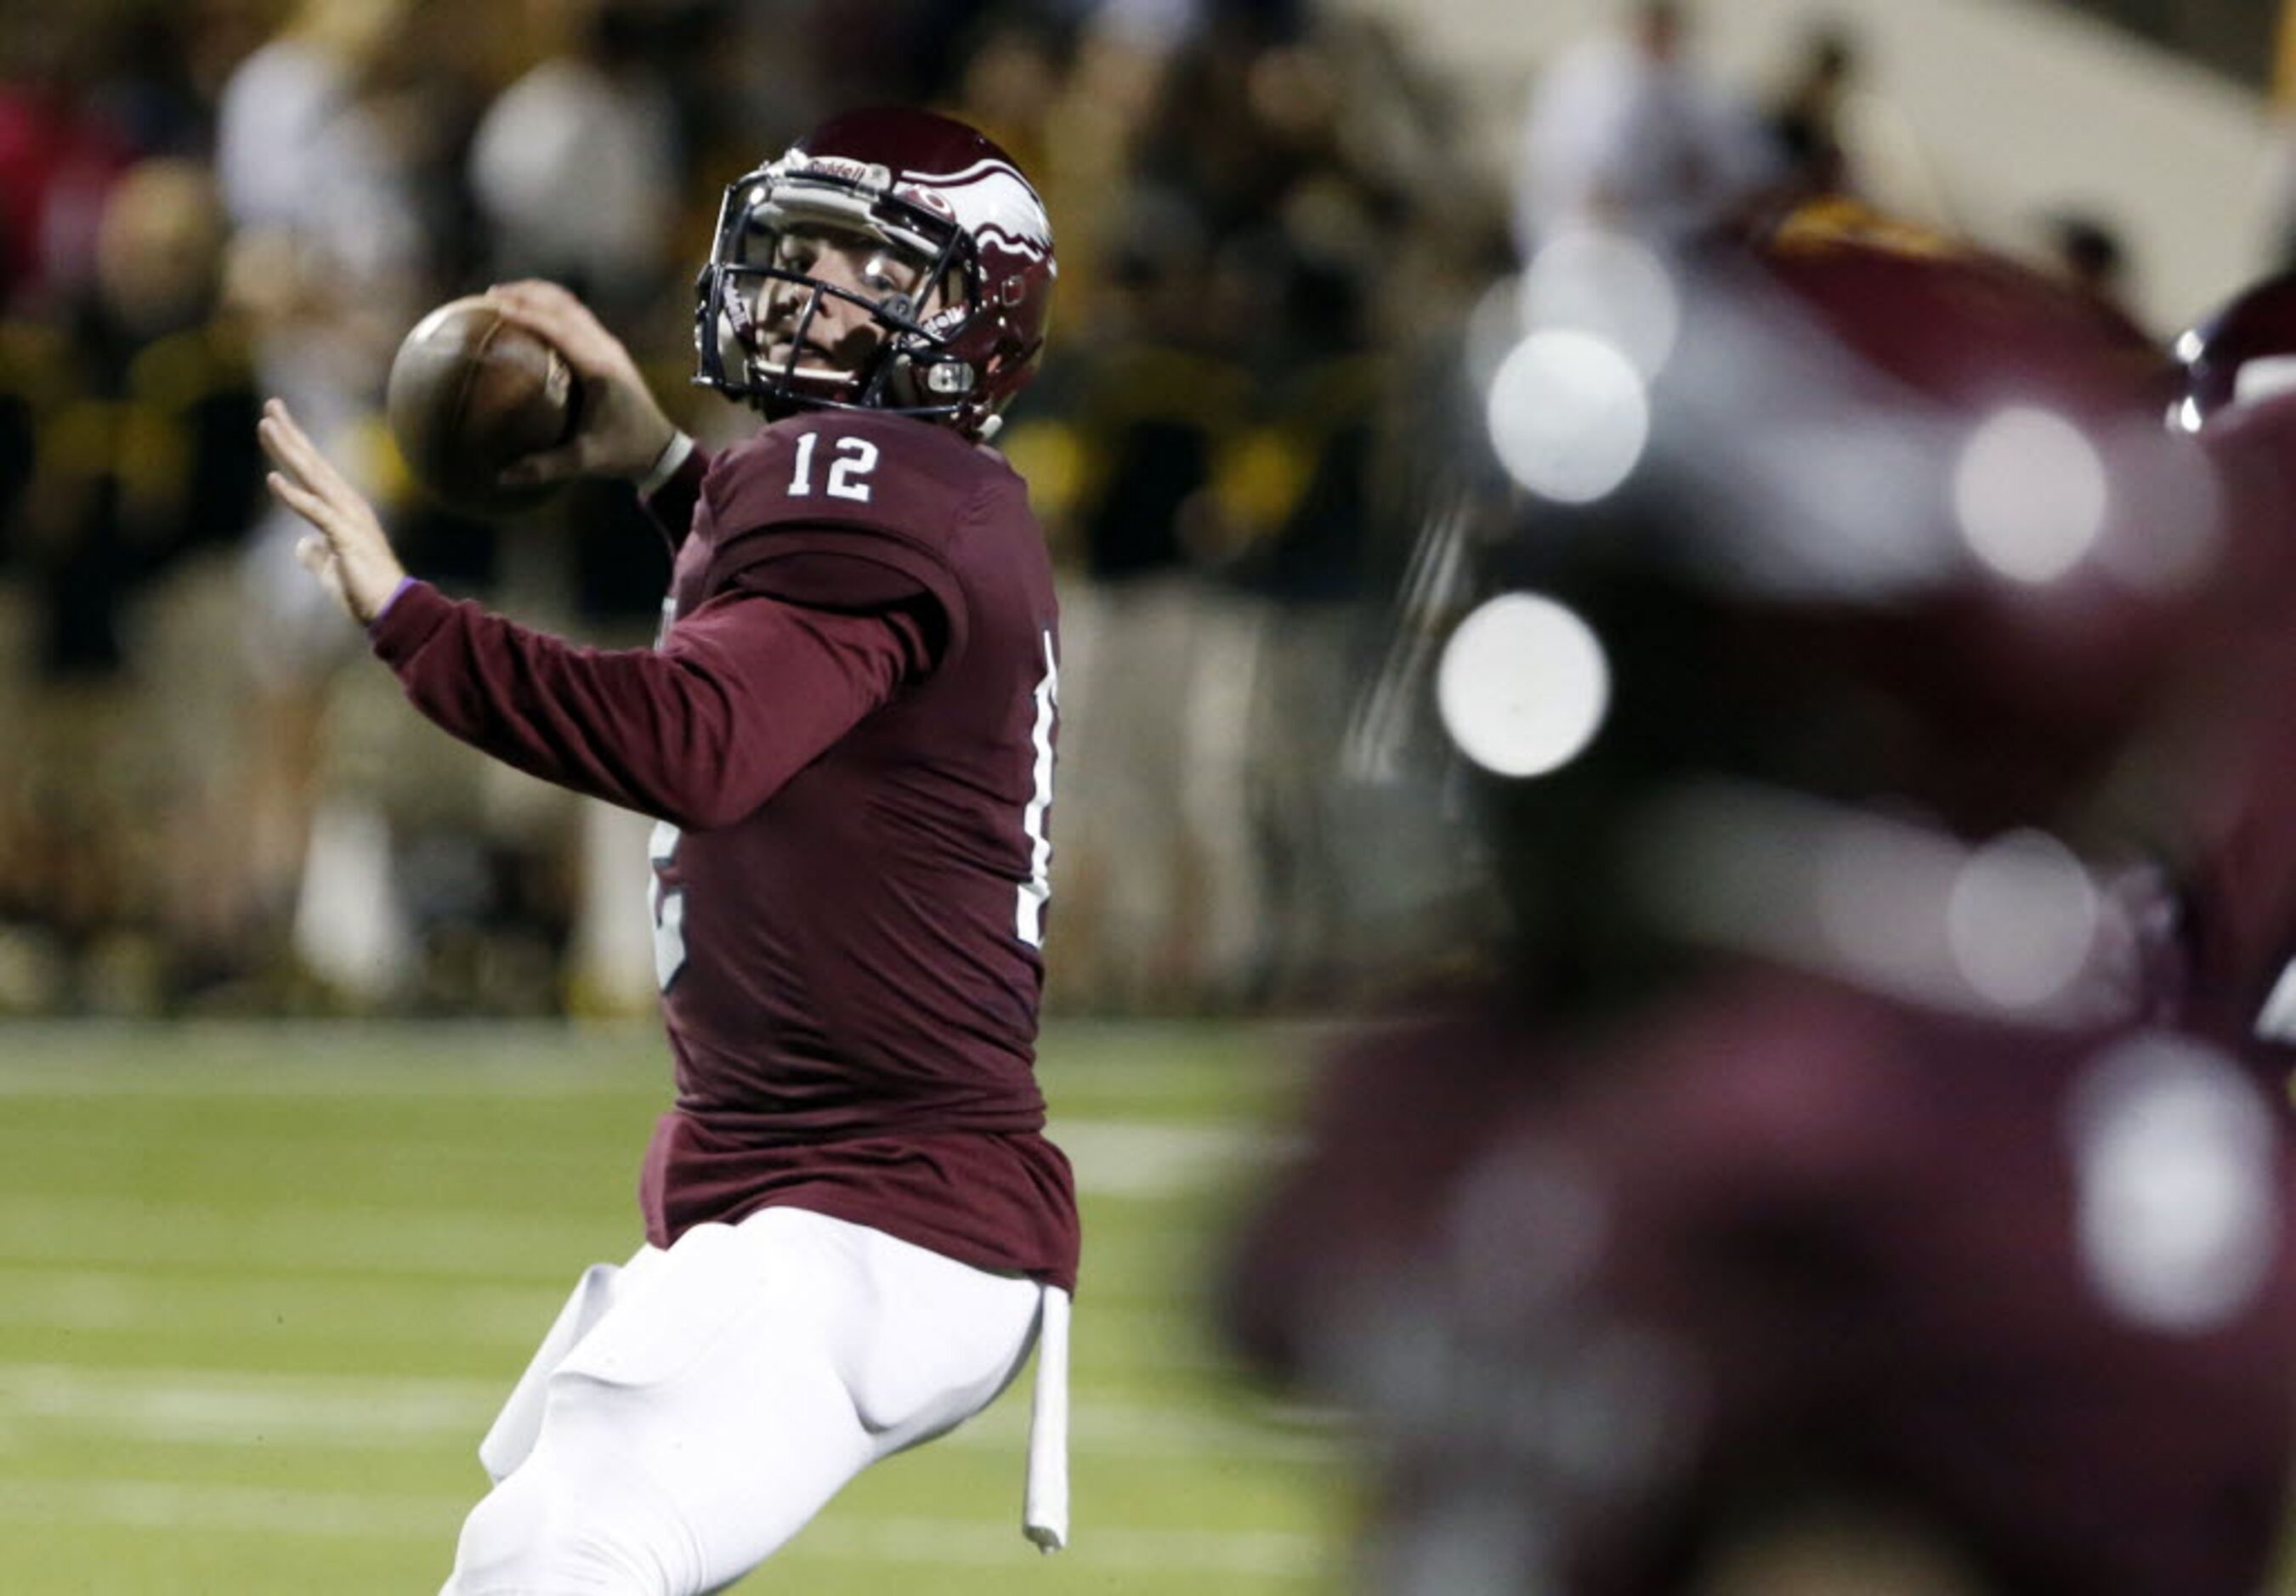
column 993, row 202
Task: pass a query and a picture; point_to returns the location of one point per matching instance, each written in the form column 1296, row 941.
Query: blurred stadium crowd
column 202, row 809
column 1269, row 242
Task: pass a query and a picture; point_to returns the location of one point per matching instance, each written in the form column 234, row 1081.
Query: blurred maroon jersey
column 1779, row 1246
column 853, row 989
column 2234, row 849
column 846, row 735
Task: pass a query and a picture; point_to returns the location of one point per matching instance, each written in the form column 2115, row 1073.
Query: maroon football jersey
column 850, row 974
column 846, row 735
column 2234, row 842
column 1609, row 1307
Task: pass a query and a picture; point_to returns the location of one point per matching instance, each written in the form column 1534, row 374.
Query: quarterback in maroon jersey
column 854, row 1226
column 1817, row 1202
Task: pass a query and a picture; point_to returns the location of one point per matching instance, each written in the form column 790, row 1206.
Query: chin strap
column 1044, row 1508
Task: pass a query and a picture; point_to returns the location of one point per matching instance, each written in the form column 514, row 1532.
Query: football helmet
column 890, row 260
column 1895, row 530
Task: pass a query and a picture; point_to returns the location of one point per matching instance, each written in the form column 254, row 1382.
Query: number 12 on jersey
column 849, row 473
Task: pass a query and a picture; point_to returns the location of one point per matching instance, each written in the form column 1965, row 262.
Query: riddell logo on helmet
column 839, row 167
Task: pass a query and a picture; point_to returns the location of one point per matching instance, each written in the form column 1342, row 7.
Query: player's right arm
column 620, row 431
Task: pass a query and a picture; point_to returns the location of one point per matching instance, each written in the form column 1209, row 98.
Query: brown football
column 470, row 393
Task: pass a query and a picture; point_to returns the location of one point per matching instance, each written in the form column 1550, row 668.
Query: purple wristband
column 383, row 609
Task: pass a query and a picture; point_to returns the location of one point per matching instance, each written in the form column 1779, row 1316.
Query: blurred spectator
column 308, row 157
column 1010, row 82
column 149, row 88
column 575, row 167
column 577, row 171
column 317, row 154
column 329, row 255
column 1307, row 484
column 1835, row 134
column 2087, row 252
column 1221, row 134
column 138, row 401
column 1142, row 638
column 1805, row 121
column 58, row 152
column 1625, row 133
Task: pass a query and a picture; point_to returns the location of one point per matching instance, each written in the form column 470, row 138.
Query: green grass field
column 261, row 1290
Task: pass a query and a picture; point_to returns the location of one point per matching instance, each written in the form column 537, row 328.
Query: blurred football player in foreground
column 854, row 1228
column 2234, row 861
column 1835, row 1186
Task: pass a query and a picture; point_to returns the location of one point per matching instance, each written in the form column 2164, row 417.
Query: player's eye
column 889, row 273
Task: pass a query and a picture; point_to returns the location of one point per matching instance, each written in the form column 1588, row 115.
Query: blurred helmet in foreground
column 1884, row 528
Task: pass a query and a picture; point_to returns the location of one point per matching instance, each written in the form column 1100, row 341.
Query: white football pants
column 689, row 1414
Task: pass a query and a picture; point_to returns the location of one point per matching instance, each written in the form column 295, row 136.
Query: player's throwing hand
column 621, row 429
column 347, row 549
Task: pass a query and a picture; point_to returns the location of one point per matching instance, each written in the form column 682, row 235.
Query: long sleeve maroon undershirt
column 744, row 693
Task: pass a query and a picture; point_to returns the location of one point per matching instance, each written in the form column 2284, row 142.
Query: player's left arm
column 345, row 548
column 744, row 693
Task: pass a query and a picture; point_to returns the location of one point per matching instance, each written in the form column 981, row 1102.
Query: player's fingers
column 275, row 446
column 313, row 553
column 535, row 298
column 292, row 494
column 295, row 455
column 561, row 464
column 301, row 500
column 568, row 335
column 559, row 319
column 588, row 347
column 536, row 288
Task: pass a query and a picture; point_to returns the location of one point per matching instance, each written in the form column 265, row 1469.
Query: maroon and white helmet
column 962, row 330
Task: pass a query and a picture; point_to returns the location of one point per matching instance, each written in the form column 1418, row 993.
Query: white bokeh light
column 2029, row 493
column 2022, row 919
column 1523, row 685
column 2178, row 1208
column 1568, row 416
column 2266, row 377
column 1609, row 285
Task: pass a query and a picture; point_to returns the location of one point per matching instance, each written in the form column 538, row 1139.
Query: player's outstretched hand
column 345, row 548
column 620, row 429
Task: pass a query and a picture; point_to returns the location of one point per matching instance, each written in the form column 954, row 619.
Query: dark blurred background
column 1274, row 219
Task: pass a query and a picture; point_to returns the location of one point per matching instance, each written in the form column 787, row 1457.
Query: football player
column 1809, row 1202
column 2234, row 860
column 854, row 1228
